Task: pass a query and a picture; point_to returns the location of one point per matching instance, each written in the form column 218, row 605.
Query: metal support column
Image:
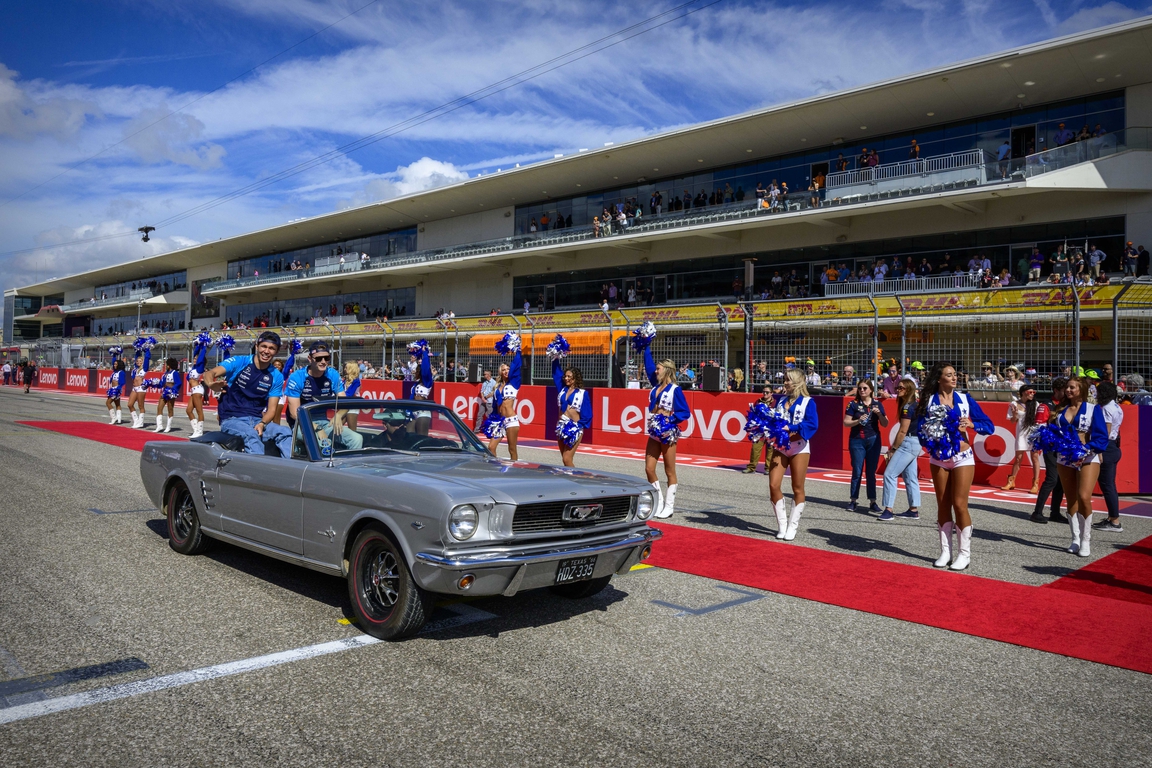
column 1076, row 330
column 1116, row 330
column 875, row 338
column 611, row 346
column 388, row 329
column 532, row 335
column 903, row 336
column 749, row 317
column 722, row 318
column 627, row 347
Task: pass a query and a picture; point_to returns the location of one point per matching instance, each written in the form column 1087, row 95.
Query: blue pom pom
column 755, row 422
column 642, row 337
column 144, row 342
column 1064, row 443
column 225, row 343
column 558, row 349
column 418, row 348
column 663, row 428
column 568, row 432
column 297, row 346
column 204, row 339
column 169, row 393
column 493, row 426
column 116, row 351
column 1044, row 437
column 510, row 344
column 940, row 432
column 113, row 393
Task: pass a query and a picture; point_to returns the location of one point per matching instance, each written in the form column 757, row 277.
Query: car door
column 260, row 499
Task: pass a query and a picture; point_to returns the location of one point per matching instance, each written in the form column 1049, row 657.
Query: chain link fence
column 1133, row 343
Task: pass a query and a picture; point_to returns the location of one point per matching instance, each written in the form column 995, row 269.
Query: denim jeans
column 1108, row 463
column 865, row 453
column 903, row 464
column 245, row 428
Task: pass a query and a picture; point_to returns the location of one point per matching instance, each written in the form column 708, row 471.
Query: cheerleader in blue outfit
column 502, row 422
column 117, row 383
column 798, row 410
column 1085, row 430
column 422, row 390
column 136, row 406
column 196, row 388
column 667, row 410
column 944, row 417
column 170, row 384
column 574, row 403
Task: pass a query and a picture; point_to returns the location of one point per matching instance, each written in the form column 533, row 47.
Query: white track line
column 126, row 690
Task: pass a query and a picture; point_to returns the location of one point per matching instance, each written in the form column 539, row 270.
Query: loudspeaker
column 712, row 379
column 475, row 372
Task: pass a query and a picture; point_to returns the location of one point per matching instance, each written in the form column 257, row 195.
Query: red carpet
column 1067, row 622
column 119, row 435
column 1123, row 575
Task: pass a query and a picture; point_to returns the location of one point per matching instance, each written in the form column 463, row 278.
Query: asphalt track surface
column 88, row 579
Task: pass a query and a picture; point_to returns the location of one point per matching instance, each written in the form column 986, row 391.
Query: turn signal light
column 466, row 581
column 644, row 553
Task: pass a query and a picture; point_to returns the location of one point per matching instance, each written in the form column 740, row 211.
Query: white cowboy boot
column 119, row 416
column 658, row 502
column 168, row 426
column 781, row 519
column 965, row 555
column 1074, row 524
column 1085, row 535
column 159, row 422
column 794, row 521
column 945, row 545
column 669, row 500
column 111, row 415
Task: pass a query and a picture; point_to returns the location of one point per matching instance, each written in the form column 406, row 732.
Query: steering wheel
column 417, row 443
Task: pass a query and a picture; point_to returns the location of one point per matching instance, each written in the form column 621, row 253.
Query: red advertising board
column 48, row 378
column 76, row 379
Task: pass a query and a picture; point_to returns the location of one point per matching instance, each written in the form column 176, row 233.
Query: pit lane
column 662, row 668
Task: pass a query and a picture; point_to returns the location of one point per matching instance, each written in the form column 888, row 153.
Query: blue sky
column 81, row 76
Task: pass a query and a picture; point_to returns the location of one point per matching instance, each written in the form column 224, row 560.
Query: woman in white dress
column 1026, row 412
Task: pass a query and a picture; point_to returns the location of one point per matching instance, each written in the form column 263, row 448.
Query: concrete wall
column 1138, row 105
column 466, row 292
column 471, row 228
column 216, row 269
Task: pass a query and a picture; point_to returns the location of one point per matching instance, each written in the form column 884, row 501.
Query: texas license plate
column 576, row 569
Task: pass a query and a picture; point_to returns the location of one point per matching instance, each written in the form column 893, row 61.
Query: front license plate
column 576, row 569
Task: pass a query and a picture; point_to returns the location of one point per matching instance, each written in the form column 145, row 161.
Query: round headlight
column 644, row 505
column 462, row 522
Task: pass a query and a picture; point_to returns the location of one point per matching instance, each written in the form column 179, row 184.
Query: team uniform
column 664, row 429
column 139, row 387
column 966, row 408
column 802, row 420
column 118, row 382
column 1089, row 427
column 495, row 425
column 422, row 390
column 577, row 399
column 311, row 388
column 243, row 405
column 197, row 387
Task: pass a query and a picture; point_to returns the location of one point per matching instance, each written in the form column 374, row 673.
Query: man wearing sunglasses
column 319, row 381
column 248, row 407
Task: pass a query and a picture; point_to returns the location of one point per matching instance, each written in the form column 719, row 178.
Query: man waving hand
column 248, row 407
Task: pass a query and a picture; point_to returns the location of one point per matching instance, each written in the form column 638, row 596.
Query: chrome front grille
column 549, row 515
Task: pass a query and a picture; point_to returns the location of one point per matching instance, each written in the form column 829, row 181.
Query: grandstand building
column 1038, row 147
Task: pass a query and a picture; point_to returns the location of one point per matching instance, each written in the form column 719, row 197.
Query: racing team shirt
column 248, row 388
column 309, row 388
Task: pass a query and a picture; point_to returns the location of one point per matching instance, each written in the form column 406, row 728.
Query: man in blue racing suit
column 320, row 382
column 248, row 407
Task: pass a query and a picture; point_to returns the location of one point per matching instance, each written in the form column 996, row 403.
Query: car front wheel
column 388, row 602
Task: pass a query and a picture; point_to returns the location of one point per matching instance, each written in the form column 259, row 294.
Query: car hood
column 514, row 482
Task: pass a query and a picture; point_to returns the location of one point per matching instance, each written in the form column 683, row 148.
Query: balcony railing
column 943, row 173
column 94, row 303
column 934, row 283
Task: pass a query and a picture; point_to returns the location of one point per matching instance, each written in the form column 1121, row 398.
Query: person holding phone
column 864, row 417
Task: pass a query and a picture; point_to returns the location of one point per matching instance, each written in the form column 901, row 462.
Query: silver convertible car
column 401, row 499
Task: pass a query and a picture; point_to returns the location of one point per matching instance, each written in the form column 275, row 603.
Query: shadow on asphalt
column 526, row 610
column 861, row 544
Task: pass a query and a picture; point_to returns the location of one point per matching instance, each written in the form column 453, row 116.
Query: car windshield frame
column 307, row 415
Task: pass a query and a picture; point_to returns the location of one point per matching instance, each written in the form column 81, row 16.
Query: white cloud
column 1097, row 16
column 24, row 118
column 157, row 136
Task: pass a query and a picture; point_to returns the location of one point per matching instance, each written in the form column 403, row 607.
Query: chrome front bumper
column 506, row 571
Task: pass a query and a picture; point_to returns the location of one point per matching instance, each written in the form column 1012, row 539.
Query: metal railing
column 972, row 158
column 94, row 303
column 933, row 283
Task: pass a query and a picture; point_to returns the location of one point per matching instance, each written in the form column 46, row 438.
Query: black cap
column 1026, row 386
column 271, row 336
column 316, row 346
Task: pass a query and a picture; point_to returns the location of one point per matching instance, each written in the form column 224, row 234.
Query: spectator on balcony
column 1005, row 278
column 925, row 269
column 985, row 264
column 863, row 160
column 544, row 221
column 794, row 284
column 914, row 151
column 1003, row 155
column 909, row 273
column 1131, row 259
column 1142, row 266
column 831, row 274
column 1063, row 136
column 880, row 271
column 655, row 203
column 1084, row 134
column 841, row 163
column 843, row 273
column 760, row 192
column 784, row 195
column 873, row 159
column 532, row 225
column 777, row 285
column 773, row 196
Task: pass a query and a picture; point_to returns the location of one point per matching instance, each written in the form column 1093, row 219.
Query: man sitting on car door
column 248, row 407
column 319, row 382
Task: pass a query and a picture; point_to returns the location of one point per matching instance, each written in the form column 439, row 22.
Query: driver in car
column 397, row 432
column 248, row 407
column 320, row 382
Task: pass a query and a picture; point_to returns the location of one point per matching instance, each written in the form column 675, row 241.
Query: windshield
column 391, row 427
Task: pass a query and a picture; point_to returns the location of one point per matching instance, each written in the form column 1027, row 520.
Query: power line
column 71, row 168
column 526, row 75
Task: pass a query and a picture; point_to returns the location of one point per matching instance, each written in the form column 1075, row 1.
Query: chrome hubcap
column 183, row 516
column 382, row 581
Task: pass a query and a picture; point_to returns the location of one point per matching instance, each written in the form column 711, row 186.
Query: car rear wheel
column 388, row 602
column 184, row 534
column 582, row 589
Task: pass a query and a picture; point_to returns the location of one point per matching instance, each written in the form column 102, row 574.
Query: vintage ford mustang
column 401, row 499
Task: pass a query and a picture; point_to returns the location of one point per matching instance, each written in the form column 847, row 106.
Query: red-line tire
column 388, row 602
column 184, row 534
